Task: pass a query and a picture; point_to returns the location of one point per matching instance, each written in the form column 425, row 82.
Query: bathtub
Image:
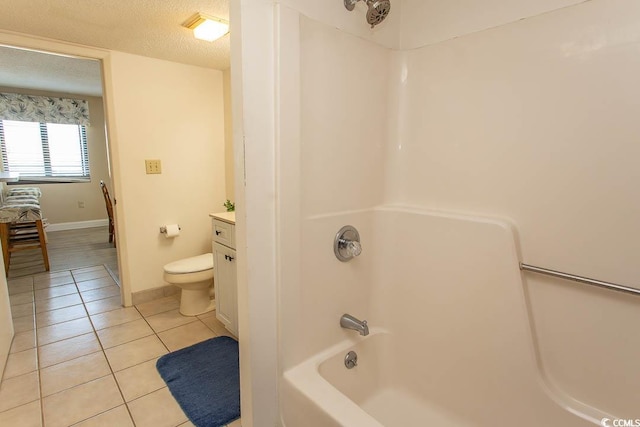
column 450, row 340
column 367, row 394
column 322, row 392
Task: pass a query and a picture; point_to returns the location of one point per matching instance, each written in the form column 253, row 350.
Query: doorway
column 73, row 207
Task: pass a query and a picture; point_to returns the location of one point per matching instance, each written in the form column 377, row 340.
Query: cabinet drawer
column 224, row 233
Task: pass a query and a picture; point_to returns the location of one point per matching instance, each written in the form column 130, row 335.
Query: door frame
column 44, row 45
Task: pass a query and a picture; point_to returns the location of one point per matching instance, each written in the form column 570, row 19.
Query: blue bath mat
column 205, row 380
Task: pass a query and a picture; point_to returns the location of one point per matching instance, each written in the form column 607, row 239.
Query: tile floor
column 69, row 249
column 79, row 358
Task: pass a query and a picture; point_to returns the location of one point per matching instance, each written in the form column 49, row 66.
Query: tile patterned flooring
column 79, row 358
column 69, row 249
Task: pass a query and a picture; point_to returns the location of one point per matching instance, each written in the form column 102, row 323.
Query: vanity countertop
column 229, row 217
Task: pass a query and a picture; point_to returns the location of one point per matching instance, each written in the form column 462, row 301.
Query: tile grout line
column 35, row 324
column 95, row 334
column 165, row 346
column 35, row 337
column 104, row 354
column 37, row 371
column 113, row 276
column 73, row 358
column 37, row 347
column 151, row 327
column 29, row 275
column 35, row 332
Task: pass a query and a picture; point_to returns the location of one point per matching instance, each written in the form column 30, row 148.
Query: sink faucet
column 347, row 321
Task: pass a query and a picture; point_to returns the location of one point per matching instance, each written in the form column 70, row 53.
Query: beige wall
column 175, row 113
column 228, row 137
column 60, row 201
column 157, row 110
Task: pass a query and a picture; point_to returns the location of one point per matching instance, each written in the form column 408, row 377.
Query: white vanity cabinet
column 224, row 269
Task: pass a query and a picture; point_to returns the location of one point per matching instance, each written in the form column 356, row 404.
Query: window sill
column 49, row 180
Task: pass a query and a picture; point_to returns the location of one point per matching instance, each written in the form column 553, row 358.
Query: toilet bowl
column 193, row 276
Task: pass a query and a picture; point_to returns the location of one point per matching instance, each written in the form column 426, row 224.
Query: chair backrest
column 107, row 200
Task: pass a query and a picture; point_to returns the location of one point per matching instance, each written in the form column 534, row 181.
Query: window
column 45, row 152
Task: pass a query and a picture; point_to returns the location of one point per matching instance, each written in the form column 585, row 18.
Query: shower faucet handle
column 346, row 244
column 353, row 248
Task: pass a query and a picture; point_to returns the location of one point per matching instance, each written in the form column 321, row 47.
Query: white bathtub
column 381, row 392
column 450, row 342
column 368, row 394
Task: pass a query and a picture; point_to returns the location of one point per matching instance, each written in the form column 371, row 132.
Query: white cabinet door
column 225, row 285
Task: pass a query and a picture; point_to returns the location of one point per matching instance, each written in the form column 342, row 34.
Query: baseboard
column 77, row 225
column 147, row 295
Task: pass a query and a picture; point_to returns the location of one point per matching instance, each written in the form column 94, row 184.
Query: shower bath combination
column 377, row 9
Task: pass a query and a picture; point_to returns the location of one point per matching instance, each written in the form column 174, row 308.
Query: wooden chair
column 21, row 229
column 109, row 205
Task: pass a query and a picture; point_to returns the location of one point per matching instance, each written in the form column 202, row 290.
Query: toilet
column 193, row 276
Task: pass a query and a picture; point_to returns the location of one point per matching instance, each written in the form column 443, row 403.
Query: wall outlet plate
column 153, row 166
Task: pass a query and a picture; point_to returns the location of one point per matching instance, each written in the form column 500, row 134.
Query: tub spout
column 347, row 321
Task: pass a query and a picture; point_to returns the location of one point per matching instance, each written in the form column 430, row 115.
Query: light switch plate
column 153, row 166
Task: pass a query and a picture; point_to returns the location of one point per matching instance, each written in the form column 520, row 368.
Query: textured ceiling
column 39, row 71
column 143, row 27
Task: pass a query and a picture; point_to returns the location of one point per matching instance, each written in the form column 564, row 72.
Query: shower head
column 377, row 9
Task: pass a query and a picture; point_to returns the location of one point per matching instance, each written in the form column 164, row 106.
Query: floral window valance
column 44, row 109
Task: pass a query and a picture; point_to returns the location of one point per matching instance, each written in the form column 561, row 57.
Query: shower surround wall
column 472, row 111
column 536, row 121
column 334, row 109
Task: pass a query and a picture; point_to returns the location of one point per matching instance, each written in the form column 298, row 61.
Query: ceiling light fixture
column 206, row 27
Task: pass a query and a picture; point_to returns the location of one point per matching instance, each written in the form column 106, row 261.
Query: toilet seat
column 188, row 270
column 190, row 265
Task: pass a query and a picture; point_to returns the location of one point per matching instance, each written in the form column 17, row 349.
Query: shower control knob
column 346, row 244
column 353, row 248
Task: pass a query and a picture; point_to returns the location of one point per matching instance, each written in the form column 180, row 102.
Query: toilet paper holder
column 163, row 229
